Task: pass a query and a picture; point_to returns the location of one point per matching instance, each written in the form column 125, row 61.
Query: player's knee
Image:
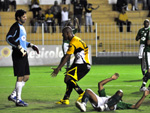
column 88, row 90
column 26, row 78
column 67, row 78
column 147, row 76
column 100, row 85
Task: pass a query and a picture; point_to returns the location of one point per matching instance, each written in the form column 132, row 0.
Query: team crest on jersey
column 23, row 38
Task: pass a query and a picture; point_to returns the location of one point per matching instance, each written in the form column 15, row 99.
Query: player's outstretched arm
column 62, row 63
column 103, row 82
column 77, row 24
column 138, row 104
column 96, row 7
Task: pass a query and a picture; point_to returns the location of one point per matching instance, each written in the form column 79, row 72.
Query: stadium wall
column 115, row 60
column 48, row 55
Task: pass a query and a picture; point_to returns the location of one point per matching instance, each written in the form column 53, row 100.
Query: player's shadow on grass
column 52, row 107
column 133, row 80
column 137, row 93
column 146, row 103
column 7, row 107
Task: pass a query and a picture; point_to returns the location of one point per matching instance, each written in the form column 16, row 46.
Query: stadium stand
column 109, row 37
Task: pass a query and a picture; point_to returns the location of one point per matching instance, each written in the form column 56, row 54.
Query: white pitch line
column 81, row 86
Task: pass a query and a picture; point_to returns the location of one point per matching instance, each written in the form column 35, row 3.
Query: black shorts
column 78, row 71
column 20, row 64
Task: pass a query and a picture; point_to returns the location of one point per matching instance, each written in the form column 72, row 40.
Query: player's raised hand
column 115, row 76
column 55, row 72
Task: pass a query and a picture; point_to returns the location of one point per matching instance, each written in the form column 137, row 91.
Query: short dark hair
column 19, row 13
column 67, row 29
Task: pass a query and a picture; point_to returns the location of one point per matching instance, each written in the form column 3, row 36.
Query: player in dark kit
column 147, row 60
column 141, row 35
column 16, row 37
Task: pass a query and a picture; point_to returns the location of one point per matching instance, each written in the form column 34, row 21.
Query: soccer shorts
column 141, row 49
column 20, row 64
column 101, row 101
column 78, row 71
column 147, row 59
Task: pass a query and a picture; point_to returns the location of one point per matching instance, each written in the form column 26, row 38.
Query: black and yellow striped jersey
column 79, row 48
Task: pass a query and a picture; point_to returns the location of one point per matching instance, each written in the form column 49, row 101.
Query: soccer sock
column 70, row 85
column 85, row 97
column 145, row 79
column 143, row 84
column 13, row 94
column 19, row 90
column 23, row 83
column 143, row 72
column 68, row 92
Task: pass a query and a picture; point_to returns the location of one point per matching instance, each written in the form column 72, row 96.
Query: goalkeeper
column 105, row 103
column 16, row 37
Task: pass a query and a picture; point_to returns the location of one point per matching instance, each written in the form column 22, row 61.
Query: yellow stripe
column 75, row 74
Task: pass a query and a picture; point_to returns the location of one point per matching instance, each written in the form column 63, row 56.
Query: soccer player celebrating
column 78, row 69
column 105, row 103
column 142, row 34
column 16, row 37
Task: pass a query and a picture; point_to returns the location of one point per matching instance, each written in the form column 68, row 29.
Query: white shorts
column 141, row 49
column 147, row 57
column 101, row 100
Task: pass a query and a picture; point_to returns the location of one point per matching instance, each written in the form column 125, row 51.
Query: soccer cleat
column 142, row 89
column 80, row 97
column 21, row 103
column 81, row 106
column 10, row 98
column 66, row 102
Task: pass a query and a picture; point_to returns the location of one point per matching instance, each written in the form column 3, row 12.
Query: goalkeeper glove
column 22, row 50
column 35, row 48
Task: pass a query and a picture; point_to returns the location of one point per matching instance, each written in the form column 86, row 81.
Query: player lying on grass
column 105, row 103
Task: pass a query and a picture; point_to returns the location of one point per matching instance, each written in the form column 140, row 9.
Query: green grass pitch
column 42, row 91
